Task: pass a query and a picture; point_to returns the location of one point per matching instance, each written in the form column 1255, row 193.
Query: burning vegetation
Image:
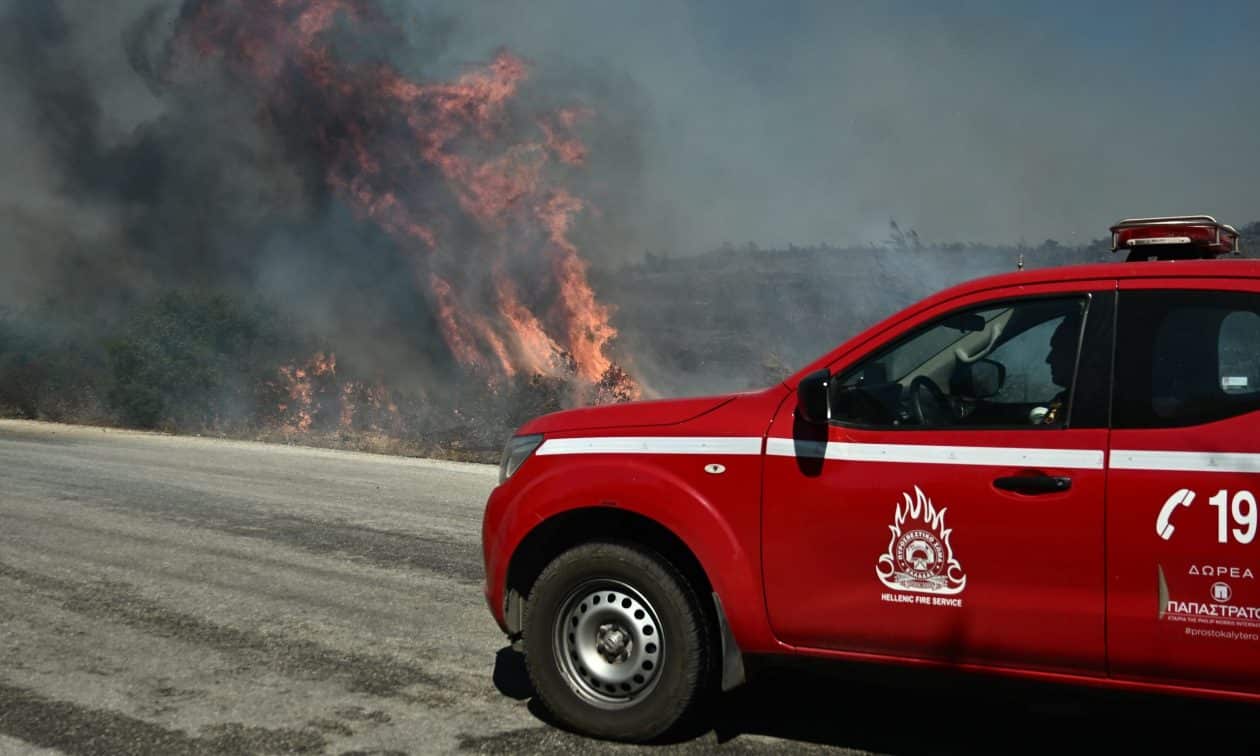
column 470, row 187
column 318, row 229
column 306, row 220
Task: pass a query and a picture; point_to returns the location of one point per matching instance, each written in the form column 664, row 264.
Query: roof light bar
column 1203, row 235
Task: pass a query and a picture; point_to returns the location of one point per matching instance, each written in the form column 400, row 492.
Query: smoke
column 428, row 220
column 815, row 122
column 122, row 184
column 420, row 187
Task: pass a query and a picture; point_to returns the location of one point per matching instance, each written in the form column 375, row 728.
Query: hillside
column 736, row 319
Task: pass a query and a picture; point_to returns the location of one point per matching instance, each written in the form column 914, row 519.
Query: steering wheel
column 929, row 403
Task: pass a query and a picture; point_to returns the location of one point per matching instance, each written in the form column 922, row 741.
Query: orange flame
column 588, row 327
column 385, row 139
column 301, row 391
column 539, row 352
column 450, row 319
column 567, row 149
column 311, row 389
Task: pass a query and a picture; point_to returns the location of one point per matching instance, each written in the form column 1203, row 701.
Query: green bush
column 22, row 370
column 49, row 370
column 191, row 361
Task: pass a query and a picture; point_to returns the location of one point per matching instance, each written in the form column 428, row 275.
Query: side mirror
column 980, row 379
column 812, row 403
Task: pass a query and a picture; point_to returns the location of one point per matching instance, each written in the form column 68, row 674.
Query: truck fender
column 640, row 487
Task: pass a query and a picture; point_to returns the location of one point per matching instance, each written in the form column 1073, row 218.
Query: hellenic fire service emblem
column 920, row 557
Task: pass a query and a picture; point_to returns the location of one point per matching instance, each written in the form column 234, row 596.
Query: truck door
column 953, row 507
column 1183, row 484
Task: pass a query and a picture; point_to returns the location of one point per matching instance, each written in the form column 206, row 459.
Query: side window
column 1186, row 357
column 1008, row 364
column 1239, row 345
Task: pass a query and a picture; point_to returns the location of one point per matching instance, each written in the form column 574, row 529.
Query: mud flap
column 732, row 657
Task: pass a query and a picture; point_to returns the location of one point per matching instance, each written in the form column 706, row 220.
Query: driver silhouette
column 1061, row 359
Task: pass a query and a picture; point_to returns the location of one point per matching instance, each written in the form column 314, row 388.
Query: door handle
column 1034, row 484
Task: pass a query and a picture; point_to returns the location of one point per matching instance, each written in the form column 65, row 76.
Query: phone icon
column 1182, row 497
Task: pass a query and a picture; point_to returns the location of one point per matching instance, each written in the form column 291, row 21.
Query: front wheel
column 615, row 642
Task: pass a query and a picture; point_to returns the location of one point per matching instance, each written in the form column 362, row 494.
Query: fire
column 298, row 385
column 567, row 149
column 457, row 173
column 450, row 319
column 539, row 351
column 311, row 391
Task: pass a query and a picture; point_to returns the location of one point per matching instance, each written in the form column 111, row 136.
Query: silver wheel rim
column 609, row 643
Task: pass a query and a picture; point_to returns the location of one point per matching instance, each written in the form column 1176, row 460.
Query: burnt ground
column 165, row 595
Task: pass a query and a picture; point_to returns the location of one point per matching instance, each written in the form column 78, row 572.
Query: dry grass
column 372, row 442
column 375, row 442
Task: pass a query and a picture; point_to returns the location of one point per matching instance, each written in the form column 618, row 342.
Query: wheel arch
column 574, row 527
column 711, row 533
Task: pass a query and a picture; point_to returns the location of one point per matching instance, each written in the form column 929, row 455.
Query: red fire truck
column 1050, row 474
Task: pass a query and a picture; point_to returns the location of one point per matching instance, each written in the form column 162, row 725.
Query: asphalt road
column 184, row 596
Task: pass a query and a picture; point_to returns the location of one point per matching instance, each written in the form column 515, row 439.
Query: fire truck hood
column 632, row 414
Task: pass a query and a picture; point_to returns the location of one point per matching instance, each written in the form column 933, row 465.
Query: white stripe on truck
column 924, row 454
column 1179, row 461
column 996, row 456
column 743, row 445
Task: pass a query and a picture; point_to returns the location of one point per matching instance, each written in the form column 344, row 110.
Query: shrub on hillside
column 48, row 370
column 192, row 361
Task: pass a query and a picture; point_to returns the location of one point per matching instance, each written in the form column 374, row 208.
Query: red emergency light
column 1174, row 237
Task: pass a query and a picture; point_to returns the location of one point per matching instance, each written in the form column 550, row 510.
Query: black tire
column 645, row 585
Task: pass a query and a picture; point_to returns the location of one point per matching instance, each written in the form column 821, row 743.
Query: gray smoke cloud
column 129, row 169
column 815, row 122
column 767, row 122
column 717, row 122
